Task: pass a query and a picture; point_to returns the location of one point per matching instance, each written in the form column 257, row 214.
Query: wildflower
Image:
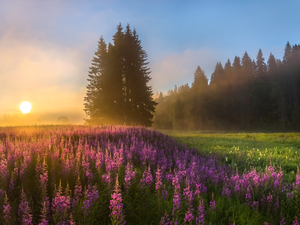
column 6, row 211
column 77, row 192
column 44, row 214
column 255, row 204
column 158, row 178
column 270, row 198
column 176, row 202
column 147, row 178
column 282, row 221
column 116, row 206
column 129, row 175
column 106, row 178
column 24, row 211
column 91, row 196
column 295, row 222
column 200, row 219
column 165, row 220
column 189, row 195
column 60, row 206
column 226, row 191
column 212, row 203
column 276, row 206
column 189, row 215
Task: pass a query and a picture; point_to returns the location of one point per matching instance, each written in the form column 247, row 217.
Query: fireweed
column 142, row 160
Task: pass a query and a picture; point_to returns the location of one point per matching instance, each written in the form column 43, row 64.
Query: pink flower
column 6, row 211
column 116, row 206
column 24, row 211
column 212, row 203
column 91, row 196
column 147, row 178
column 189, row 216
column 129, row 176
column 200, row 219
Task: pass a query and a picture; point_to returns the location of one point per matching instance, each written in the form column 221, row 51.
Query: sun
column 25, row 107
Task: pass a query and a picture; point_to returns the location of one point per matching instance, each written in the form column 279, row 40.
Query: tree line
column 246, row 94
column 118, row 90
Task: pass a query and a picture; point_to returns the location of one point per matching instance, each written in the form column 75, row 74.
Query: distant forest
column 245, row 95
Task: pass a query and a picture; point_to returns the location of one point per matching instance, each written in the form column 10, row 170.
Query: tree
column 272, row 66
column 94, row 97
column 62, row 120
column 200, row 81
column 118, row 90
column 260, row 64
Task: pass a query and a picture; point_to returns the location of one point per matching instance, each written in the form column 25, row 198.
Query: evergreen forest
column 246, row 94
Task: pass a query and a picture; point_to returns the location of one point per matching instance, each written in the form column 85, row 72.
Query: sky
column 46, row 47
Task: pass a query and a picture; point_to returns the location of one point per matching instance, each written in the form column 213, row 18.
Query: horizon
column 47, row 47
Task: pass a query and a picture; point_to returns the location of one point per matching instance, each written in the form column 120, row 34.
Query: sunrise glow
column 25, row 107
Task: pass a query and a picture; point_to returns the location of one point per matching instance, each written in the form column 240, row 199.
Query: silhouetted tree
column 118, row 90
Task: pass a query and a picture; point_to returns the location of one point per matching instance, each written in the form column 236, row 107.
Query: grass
column 246, row 150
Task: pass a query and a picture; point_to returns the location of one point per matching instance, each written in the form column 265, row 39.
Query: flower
column 24, row 211
column 200, row 219
column 116, row 206
column 212, row 203
column 6, row 211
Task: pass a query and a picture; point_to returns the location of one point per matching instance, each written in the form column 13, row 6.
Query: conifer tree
column 200, row 80
column 260, row 64
column 118, row 90
column 94, row 98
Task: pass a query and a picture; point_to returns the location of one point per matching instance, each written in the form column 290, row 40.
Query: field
column 246, row 150
column 133, row 175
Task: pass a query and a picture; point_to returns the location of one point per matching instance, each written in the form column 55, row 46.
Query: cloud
column 179, row 68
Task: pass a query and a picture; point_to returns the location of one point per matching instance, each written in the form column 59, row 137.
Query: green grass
column 246, row 150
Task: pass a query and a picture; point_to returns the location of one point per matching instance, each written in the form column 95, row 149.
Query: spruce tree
column 118, row 90
column 94, row 96
column 200, row 81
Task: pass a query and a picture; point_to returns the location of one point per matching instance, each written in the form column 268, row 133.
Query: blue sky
column 46, row 46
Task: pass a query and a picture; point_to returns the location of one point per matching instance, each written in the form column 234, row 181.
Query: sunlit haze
column 47, row 46
column 25, row 107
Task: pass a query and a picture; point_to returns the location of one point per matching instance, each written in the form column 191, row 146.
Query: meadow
column 247, row 150
column 133, row 175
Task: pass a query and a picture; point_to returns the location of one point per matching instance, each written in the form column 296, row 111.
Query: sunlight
column 25, row 107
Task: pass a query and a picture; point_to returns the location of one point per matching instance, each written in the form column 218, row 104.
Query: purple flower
column 24, row 211
column 116, row 206
column 270, row 199
column 44, row 214
column 60, row 206
column 77, row 192
column 188, row 195
column 176, row 202
column 226, row 192
column 158, row 178
column 165, row 220
column 6, row 211
column 129, row 176
column 189, row 215
column 147, row 178
column 282, row 221
column 295, row 222
column 91, row 196
column 212, row 203
column 200, row 219
column 106, row 178
column 164, row 194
